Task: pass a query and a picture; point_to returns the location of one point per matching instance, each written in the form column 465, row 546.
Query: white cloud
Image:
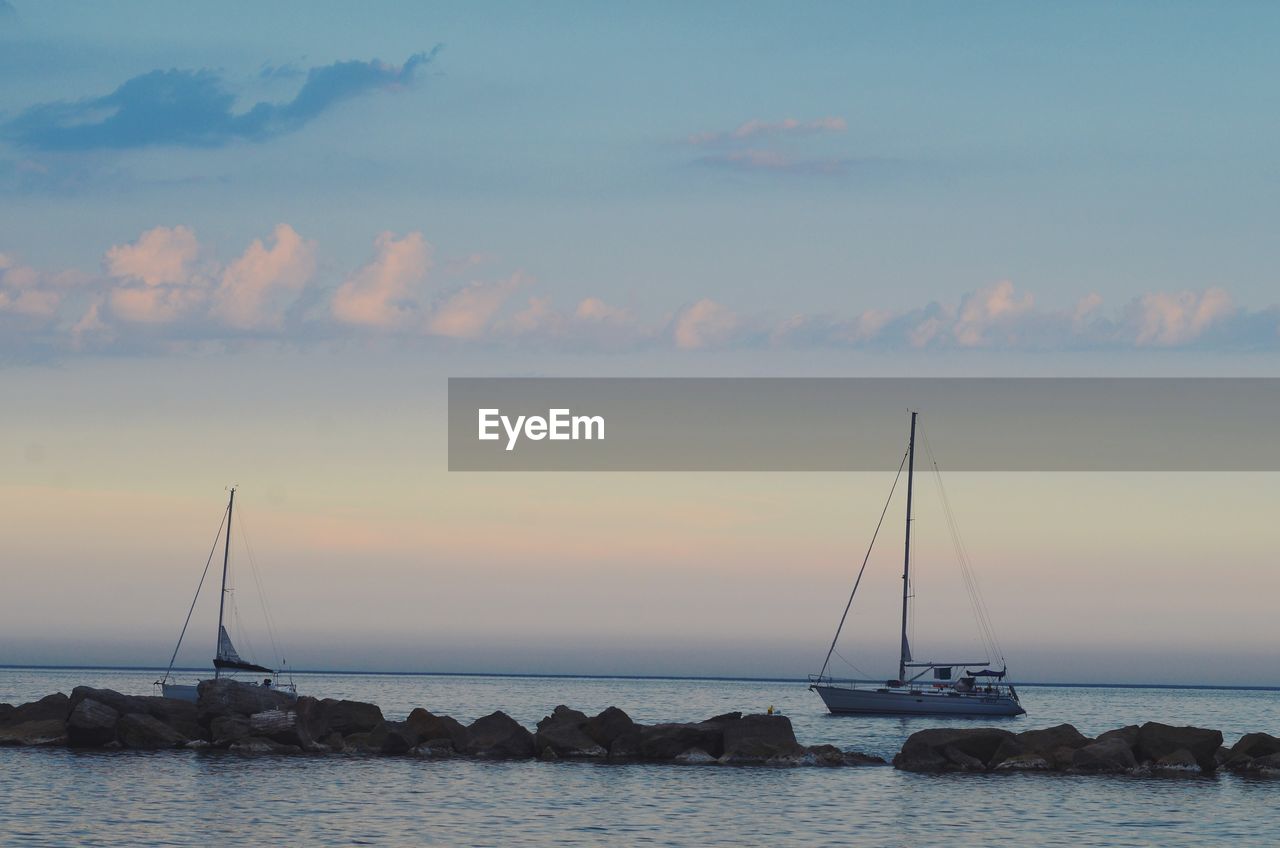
column 704, row 324
column 159, row 256
column 468, row 312
column 1166, row 319
column 256, row 289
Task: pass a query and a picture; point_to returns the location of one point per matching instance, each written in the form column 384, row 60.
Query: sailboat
column 954, row 688
column 226, row 659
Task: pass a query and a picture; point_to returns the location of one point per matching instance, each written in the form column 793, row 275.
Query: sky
column 249, row 244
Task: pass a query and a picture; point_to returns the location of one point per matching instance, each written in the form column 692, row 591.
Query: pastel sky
column 249, row 242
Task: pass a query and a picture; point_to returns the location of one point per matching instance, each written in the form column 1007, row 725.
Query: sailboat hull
column 179, row 691
column 844, row 700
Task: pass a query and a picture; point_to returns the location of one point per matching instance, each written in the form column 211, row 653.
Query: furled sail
column 228, row 658
column 906, row 649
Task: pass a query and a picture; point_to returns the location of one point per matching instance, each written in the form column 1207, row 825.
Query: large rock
column 262, row 745
column 120, row 703
column 393, row 737
column 951, row 749
column 1128, row 733
column 564, row 732
column 1265, row 766
column 1178, row 762
column 1157, row 740
column 498, row 735
column 433, row 729
column 758, row 739
column 91, row 724
column 225, row 697
column 1054, row 745
column 1105, row 756
column 280, row 726
column 667, row 741
column 225, row 731
column 49, row 731
column 141, row 731
column 608, row 726
column 1255, row 745
column 54, row 707
column 180, row 715
column 340, row 716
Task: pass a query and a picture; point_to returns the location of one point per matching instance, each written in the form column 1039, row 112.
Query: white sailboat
column 953, row 688
column 226, row 659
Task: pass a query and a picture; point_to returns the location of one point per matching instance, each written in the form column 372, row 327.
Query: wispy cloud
column 771, row 147
column 195, row 108
column 755, row 129
column 164, row 292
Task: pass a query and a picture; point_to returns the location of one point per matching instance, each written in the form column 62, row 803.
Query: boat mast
column 226, row 555
column 904, row 656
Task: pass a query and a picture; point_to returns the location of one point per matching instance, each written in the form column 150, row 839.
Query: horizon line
column 569, row 676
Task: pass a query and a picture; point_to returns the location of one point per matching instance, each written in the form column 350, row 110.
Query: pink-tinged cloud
column 383, row 294
column 1167, row 319
column 595, row 309
column 756, row 128
column 256, row 289
column 994, row 308
column 155, row 304
column 468, row 312
column 704, row 324
column 160, row 256
column 22, row 291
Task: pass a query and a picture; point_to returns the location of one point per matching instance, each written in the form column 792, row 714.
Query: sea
column 61, row 797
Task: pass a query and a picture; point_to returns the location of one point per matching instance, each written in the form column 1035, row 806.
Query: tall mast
column 905, row 656
column 226, row 556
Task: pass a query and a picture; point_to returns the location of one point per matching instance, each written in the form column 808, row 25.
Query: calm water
column 59, row 797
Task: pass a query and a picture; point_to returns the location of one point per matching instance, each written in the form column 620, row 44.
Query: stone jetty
column 249, row 719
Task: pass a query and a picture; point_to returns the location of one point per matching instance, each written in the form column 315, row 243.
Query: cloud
column 382, row 294
column 468, row 312
column 255, row 289
column 23, row 292
column 1165, row 320
column 704, row 324
column 194, row 108
column 159, row 256
column 995, row 308
column 756, row 129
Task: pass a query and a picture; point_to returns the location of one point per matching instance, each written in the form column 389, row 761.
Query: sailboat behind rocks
column 980, row 692
column 226, row 660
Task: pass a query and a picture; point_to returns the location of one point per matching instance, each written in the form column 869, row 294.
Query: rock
column 49, row 731
column 498, row 735
column 227, row 730
column 91, row 724
column 393, row 737
column 1105, row 756
column 608, row 726
column 1256, row 745
column 626, row 746
column 1157, row 740
column 758, row 738
column 434, row 728
column 282, row 727
column 547, row 755
column 120, row 703
column 668, row 741
column 360, row 743
column 224, row 697
column 6, row 710
column 694, row 757
column 197, row 745
column 564, row 732
column 1024, row 762
column 1266, row 766
column 1179, row 761
column 54, row 707
column 182, row 716
column 855, row 758
column 950, row 749
column 1128, row 733
column 1055, row 745
column 334, row 742
column 823, row 755
column 141, row 731
column 345, row 717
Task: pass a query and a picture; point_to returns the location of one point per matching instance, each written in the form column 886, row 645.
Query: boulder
column 225, row 697
column 262, row 745
column 1266, row 766
column 341, row 716
column 393, row 737
column 182, row 716
column 280, row 726
column 48, row 731
column 1054, row 745
column 1025, row 762
column 564, row 732
column 608, row 726
column 225, row 731
column 54, row 707
column 498, row 735
column 433, row 728
column 1255, row 745
column 91, row 724
column 360, row 743
column 759, row 738
column 1157, row 740
column 1129, row 734
column 1105, row 756
column 6, row 710
column 950, row 749
column 141, row 731
column 626, row 746
column 436, row 749
column 120, row 703
column 668, row 741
